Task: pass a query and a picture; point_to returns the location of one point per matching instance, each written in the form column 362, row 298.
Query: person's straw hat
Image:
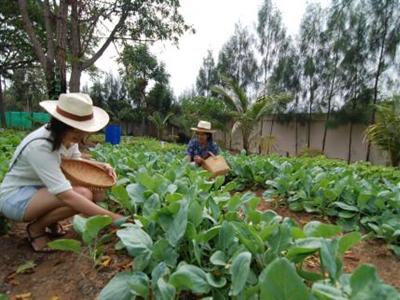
column 203, row 126
column 77, row 111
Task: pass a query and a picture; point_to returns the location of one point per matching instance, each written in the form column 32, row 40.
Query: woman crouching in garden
column 202, row 145
column 35, row 189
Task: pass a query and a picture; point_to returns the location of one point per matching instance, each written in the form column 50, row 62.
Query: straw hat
column 203, row 126
column 77, row 111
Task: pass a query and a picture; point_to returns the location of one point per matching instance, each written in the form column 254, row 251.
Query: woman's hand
column 110, row 170
column 198, row 160
column 106, row 167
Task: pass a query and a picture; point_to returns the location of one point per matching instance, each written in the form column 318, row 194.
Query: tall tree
column 208, row 76
column 272, row 39
column 285, row 78
column 333, row 43
column 310, row 33
column 237, row 59
column 384, row 39
column 140, row 67
column 354, row 76
column 75, row 34
column 15, row 49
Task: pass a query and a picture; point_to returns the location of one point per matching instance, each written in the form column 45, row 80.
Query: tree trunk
column 310, row 114
column 46, row 58
column 2, row 108
column 328, row 115
column 296, row 145
column 52, row 90
column 261, row 135
column 61, row 38
column 350, row 142
column 381, row 62
column 75, row 79
column 245, row 141
column 394, row 158
column 270, row 134
column 76, row 67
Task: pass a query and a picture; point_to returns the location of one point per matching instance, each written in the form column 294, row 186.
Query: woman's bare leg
column 99, row 196
column 46, row 209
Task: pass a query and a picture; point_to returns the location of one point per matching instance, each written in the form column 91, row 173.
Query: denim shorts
column 15, row 205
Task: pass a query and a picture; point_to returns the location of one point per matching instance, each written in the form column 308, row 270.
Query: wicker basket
column 216, row 165
column 86, row 173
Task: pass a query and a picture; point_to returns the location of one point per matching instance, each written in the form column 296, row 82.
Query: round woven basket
column 87, row 174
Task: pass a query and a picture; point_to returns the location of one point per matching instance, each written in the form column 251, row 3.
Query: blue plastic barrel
column 113, row 134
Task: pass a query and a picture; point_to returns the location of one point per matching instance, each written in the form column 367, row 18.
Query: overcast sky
column 214, row 22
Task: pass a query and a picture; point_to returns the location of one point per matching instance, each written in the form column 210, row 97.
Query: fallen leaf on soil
column 25, row 296
column 352, row 256
column 55, row 298
column 26, row 267
column 105, row 261
column 11, row 279
column 124, row 266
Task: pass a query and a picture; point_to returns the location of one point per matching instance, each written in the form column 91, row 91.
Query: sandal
column 31, row 240
column 55, row 230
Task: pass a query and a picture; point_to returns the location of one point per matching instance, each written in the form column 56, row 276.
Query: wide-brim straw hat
column 203, row 126
column 77, row 110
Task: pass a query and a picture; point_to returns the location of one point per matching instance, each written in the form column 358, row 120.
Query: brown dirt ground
column 65, row 276
column 371, row 251
column 56, row 276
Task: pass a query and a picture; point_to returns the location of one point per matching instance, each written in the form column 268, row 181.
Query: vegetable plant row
column 193, row 235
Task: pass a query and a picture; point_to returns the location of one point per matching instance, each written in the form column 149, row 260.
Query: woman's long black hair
column 57, row 130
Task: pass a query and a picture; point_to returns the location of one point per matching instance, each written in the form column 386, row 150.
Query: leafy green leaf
column 164, row 290
column 218, row 258
column 147, row 181
column 348, row 240
column 216, row 282
column 279, row 281
column 117, row 288
column 139, row 284
column 136, row 240
column 136, row 193
column 66, row 245
column 328, row 254
column 79, row 224
column 345, row 206
column 239, row 271
column 192, row 278
column 121, row 195
column 177, row 230
column 93, row 226
column 318, row 229
column 324, row 291
column 365, row 285
column 162, row 251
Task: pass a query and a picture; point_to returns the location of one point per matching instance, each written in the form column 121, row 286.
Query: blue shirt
column 194, row 148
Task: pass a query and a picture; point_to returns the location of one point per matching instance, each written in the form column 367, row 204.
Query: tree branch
column 31, row 33
column 86, row 64
column 49, row 31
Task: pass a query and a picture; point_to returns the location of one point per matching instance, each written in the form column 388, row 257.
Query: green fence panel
column 26, row 120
